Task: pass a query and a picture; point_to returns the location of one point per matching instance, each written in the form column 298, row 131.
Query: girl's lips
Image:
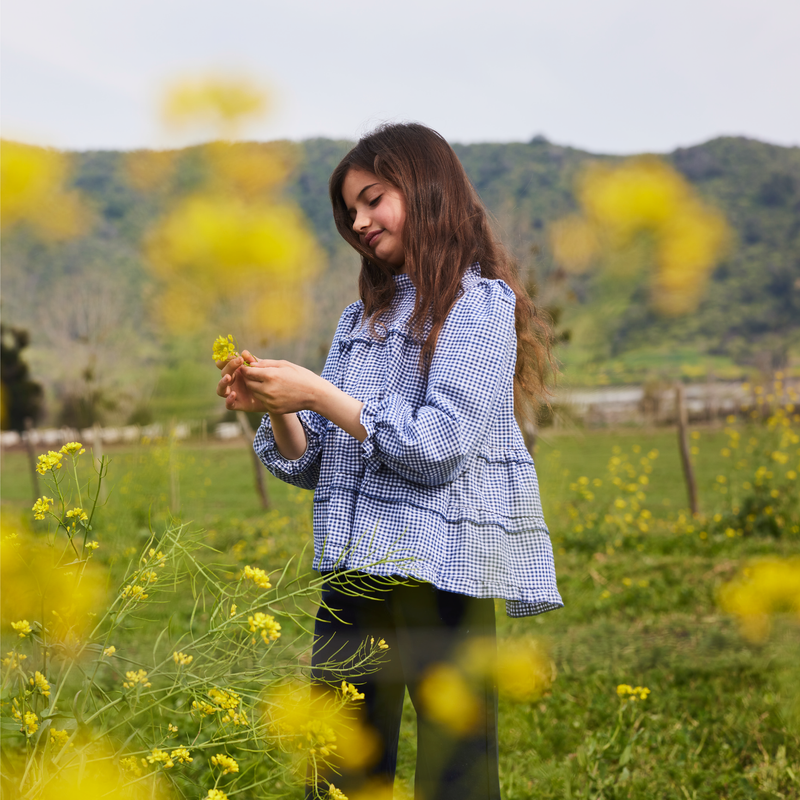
column 370, row 237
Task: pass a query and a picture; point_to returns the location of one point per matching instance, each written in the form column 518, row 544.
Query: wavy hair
column 447, row 229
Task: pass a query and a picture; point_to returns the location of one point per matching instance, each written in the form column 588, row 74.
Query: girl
column 423, row 485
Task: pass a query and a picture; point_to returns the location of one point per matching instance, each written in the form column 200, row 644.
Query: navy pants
column 425, row 629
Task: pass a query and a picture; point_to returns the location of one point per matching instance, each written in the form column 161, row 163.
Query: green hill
column 85, row 302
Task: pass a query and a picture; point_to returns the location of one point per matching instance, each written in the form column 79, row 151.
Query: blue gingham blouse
column 443, row 488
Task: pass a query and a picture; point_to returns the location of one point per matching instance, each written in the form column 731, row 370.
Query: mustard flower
column 258, row 576
column 626, row 691
column 30, row 723
column 41, row 507
column 227, row 763
column 349, row 692
column 172, row 728
column 23, row 628
column 134, row 593
column 131, row 765
column 335, row 794
column 181, row 659
column 135, row 678
column 92, row 546
column 224, row 349
column 181, row 755
column 73, row 448
column 77, row 513
column 49, row 461
column 109, row 651
column 224, row 699
column 203, row 708
column 216, row 794
column 266, row 625
column 38, row 681
column 160, row 757
column 58, row 738
column 14, row 660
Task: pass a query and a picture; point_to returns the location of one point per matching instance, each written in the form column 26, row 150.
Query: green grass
column 719, row 720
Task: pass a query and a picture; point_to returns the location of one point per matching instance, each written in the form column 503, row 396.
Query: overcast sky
column 615, row 76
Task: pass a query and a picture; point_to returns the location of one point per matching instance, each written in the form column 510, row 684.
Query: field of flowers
column 157, row 653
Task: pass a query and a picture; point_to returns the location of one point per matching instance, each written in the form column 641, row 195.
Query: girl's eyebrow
column 369, row 185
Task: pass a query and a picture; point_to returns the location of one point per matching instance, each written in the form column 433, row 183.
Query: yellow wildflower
column 41, row 507
column 226, row 762
column 38, row 681
column 181, row 754
column 320, row 736
column 92, row 545
column 136, row 678
column 160, row 757
column 73, row 448
column 216, row 794
column 204, row 708
column 233, row 610
column 14, row 659
column 58, row 738
column 181, row 659
column 258, row 576
column 131, row 764
column 265, row 624
column 349, row 692
column 632, row 692
column 224, row 349
column 148, row 577
column 236, row 717
column 134, row 592
column 223, row 699
column 335, row 794
column 109, row 651
column 172, row 728
column 30, row 723
column 23, row 628
column 48, row 461
column 78, row 513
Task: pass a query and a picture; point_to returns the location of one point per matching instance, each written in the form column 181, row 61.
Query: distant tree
column 23, row 398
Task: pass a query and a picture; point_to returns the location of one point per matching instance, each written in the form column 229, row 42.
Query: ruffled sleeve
column 471, row 370
column 304, row 471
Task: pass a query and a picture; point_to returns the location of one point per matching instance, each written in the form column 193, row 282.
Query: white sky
column 616, row 76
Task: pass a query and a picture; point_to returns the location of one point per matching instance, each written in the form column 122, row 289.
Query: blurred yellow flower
column 38, row 681
column 136, row 678
column 109, row 651
column 32, row 190
column 216, row 794
column 628, row 692
column 349, row 692
column 266, row 625
column 227, row 763
column 23, row 628
column 41, row 507
column 58, row 738
column 335, row 794
column 764, row 588
column 448, row 699
column 72, row 449
column 158, row 756
column 525, row 670
column 258, row 576
column 181, row 659
column 181, row 755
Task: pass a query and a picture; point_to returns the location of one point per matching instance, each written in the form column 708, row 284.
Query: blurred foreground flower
column 643, row 197
column 764, row 588
column 33, row 191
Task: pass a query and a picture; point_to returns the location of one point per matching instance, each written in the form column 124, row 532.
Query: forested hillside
column 86, row 301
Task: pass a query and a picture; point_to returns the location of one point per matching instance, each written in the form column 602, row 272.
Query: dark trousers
column 428, row 631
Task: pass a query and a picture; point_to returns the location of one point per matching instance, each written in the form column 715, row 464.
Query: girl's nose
column 361, row 222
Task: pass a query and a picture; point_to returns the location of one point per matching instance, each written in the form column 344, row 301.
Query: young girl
column 423, row 485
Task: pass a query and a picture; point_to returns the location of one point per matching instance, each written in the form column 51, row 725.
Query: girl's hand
column 232, row 384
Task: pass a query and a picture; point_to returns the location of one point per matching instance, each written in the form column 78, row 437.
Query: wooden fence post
column 683, row 445
column 258, row 467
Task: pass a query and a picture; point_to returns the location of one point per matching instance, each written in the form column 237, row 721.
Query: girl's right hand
column 232, row 386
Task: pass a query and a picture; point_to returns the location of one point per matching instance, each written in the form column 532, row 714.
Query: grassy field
column 639, row 581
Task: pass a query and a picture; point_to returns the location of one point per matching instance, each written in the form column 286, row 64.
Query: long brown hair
column 446, row 229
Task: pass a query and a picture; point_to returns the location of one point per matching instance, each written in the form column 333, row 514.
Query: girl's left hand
column 278, row 387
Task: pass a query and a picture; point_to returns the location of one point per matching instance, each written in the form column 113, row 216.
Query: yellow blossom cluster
column 628, row 692
column 764, row 588
column 41, row 507
column 224, row 349
column 58, row 738
column 49, row 461
column 134, row 593
column 135, row 678
column 227, row 763
column 73, row 449
column 29, row 720
column 77, row 514
column 258, row 576
column 216, row 794
column 335, row 794
column 39, row 682
column 14, row 660
column 181, row 659
column 266, row 625
column 109, row 651
column 349, row 692
column 22, row 627
column 132, row 765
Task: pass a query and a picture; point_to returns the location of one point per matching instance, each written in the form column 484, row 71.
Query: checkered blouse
column 443, row 488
